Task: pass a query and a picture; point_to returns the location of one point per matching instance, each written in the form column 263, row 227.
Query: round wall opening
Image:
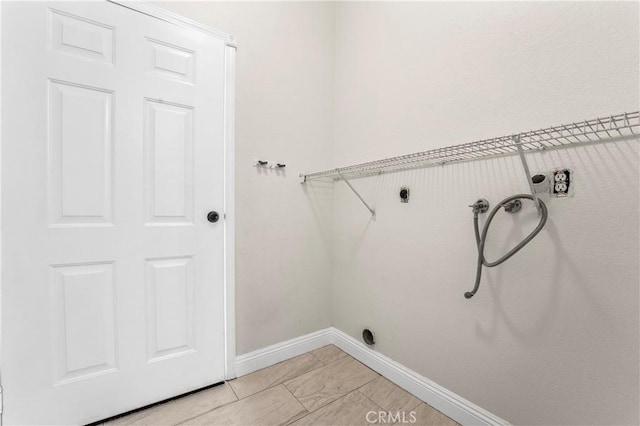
column 538, row 178
column 367, row 337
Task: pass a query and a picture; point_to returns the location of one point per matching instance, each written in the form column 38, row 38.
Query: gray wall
column 552, row 335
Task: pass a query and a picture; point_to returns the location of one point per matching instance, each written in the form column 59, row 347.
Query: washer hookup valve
column 480, row 206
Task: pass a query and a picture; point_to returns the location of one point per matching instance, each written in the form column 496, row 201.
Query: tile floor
column 322, row 387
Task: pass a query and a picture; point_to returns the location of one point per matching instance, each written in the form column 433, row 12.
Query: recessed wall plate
column 404, row 194
column 542, row 182
column 368, row 337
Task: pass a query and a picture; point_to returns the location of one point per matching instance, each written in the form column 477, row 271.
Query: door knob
column 213, row 217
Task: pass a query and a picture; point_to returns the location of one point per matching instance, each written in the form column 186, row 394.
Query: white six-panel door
column 112, row 156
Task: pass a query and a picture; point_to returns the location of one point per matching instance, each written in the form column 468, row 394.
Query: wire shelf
column 613, row 127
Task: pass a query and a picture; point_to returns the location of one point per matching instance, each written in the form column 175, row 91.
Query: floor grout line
column 332, row 402
column 371, row 400
column 319, row 360
column 300, row 402
column 338, row 359
column 233, row 390
column 313, row 369
column 356, row 389
column 302, row 405
column 283, row 381
column 307, row 372
column 213, row 409
column 327, row 363
column 238, row 400
column 419, row 403
column 313, row 355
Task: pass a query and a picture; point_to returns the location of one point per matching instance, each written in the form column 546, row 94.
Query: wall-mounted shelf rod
column 527, row 173
column 373, row 212
column 610, row 128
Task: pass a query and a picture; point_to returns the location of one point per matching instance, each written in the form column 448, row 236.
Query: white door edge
column 229, row 184
column 1, row 415
column 229, row 215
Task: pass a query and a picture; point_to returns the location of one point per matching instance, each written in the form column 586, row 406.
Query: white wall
column 552, row 335
column 284, row 112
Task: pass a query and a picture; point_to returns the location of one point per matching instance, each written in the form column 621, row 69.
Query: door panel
column 84, row 337
column 81, row 154
column 168, row 144
column 79, row 36
column 170, row 305
column 112, row 278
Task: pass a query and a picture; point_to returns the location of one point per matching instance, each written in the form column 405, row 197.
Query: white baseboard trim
column 442, row 399
column 265, row 357
column 447, row 402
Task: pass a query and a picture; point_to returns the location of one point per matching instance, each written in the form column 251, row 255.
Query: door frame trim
column 174, row 18
column 229, row 319
column 229, row 214
column 1, row 282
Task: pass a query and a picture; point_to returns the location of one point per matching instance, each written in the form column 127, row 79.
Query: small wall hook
column 271, row 165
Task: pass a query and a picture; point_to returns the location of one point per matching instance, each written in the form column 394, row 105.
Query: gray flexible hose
column 481, row 239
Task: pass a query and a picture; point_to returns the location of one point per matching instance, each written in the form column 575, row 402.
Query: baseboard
column 454, row 406
column 443, row 400
column 262, row 358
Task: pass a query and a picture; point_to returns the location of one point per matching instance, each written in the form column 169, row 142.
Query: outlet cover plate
column 563, row 183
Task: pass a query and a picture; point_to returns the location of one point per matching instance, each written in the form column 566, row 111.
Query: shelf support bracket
column 373, row 212
column 525, row 166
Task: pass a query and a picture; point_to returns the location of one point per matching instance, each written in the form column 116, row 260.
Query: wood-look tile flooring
column 322, row 387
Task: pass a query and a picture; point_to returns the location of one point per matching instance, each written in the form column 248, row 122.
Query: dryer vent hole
column 367, row 337
column 538, row 178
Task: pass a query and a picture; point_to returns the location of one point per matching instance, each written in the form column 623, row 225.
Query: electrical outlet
column 404, row 194
column 562, row 185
